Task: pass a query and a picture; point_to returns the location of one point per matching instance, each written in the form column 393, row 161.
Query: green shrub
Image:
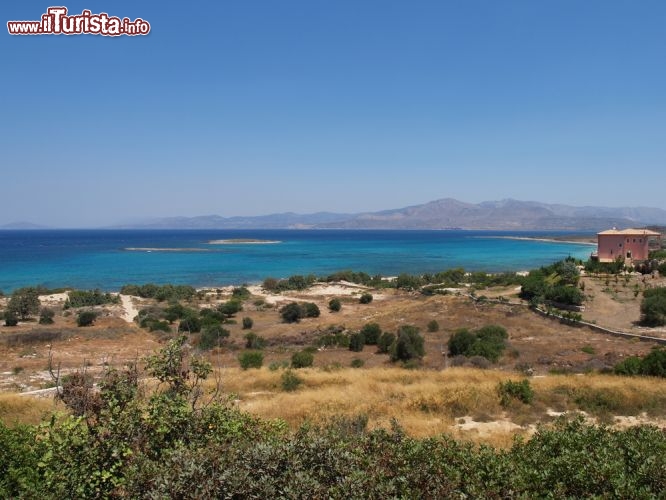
column 408, row 344
column 365, row 298
column 159, row 326
column 251, row 359
column 24, row 303
column 311, row 310
column 302, row 359
column 629, row 366
column 247, row 323
column 335, row 305
column 89, row 298
column 433, row 326
column 510, row 391
column 240, row 293
column 291, row 313
column 230, row 307
column 385, row 342
column 291, row 381
column 488, row 342
column 653, row 307
column 212, row 336
column 46, row 316
column 160, row 293
column 86, row 318
column 254, row 341
column 356, row 342
column 357, row 363
column 190, row 323
column 11, row 319
column 654, row 364
column 371, row 333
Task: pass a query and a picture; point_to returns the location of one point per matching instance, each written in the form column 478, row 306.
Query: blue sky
column 254, row 107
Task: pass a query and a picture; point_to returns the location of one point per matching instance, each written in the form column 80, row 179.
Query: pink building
column 625, row 244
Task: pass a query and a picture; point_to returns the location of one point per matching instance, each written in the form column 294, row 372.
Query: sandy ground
column 130, row 310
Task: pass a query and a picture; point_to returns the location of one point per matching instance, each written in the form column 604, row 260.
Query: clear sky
column 259, row 106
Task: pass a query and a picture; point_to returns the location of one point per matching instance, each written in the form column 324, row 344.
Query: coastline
column 583, row 240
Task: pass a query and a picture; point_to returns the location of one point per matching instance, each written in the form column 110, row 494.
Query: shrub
column 254, row 341
column 510, row 390
column 212, row 336
column 365, row 298
column 408, row 344
column 356, row 342
column 251, row 359
column 654, row 364
column 335, row 305
column 190, row 323
column 357, row 363
column 247, row 323
column 160, row 326
column 46, row 316
column 240, row 293
column 311, row 310
column 302, row 359
column 86, row 318
column 629, row 366
column 385, row 342
column 11, row 319
column 371, row 333
column 230, row 307
column 653, row 307
column 488, row 342
column 291, row 381
column 88, row 298
column 291, row 313
column 433, row 326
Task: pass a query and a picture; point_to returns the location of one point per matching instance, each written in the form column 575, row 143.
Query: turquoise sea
column 101, row 259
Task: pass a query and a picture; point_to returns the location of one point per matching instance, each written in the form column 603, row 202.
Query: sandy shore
column 583, row 240
column 155, row 249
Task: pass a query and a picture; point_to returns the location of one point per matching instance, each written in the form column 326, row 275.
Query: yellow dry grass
column 15, row 409
column 427, row 403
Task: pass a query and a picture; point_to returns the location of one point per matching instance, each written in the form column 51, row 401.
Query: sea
column 109, row 259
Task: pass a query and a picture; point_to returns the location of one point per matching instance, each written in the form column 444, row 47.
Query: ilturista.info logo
column 57, row 21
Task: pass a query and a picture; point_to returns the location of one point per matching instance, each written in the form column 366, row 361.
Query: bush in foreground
column 653, row 307
column 251, row 359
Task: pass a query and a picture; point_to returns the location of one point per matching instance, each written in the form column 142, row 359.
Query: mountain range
column 447, row 213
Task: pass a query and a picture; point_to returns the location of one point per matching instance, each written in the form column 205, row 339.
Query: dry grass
column 25, row 410
column 427, row 403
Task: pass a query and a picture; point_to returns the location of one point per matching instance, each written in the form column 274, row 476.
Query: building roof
column 630, row 232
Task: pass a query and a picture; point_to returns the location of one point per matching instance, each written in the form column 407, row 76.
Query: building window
column 641, row 240
column 634, row 240
column 620, row 245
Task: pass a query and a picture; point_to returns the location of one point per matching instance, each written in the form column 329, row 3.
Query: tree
column 24, row 303
column 385, row 342
column 11, row 319
column 460, row 342
column 212, row 336
column 408, row 344
column 230, row 307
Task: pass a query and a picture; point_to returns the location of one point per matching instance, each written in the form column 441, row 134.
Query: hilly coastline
column 447, row 213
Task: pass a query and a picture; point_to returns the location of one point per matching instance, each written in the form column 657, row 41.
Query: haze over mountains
column 447, row 213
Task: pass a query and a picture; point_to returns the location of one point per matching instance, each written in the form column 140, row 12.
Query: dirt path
column 130, row 309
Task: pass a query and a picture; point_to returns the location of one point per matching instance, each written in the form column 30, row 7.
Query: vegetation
column 385, row 342
column 302, row 359
column 433, row 326
column 555, row 283
column 653, row 365
column 334, row 305
column 89, row 298
column 254, row 341
column 86, row 318
column 251, row 359
column 408, row 344
column 371, row 333
column 515, row 391
column 23, row 303
column 487, row 342
column 294, row 311
column 247, row 323
column 356, row 342
column 46, row 316
column 290, row 381
column 653, row 307
column 160, row 293
column 11, row 319
column 365, row 298
column 296, row 282
column 212, row 336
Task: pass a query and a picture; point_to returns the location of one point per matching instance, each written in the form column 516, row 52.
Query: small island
column 243, row 241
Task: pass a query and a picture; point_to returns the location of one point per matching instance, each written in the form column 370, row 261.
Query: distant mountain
column 273, row 221
column 447, row 213
column 22, row 225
